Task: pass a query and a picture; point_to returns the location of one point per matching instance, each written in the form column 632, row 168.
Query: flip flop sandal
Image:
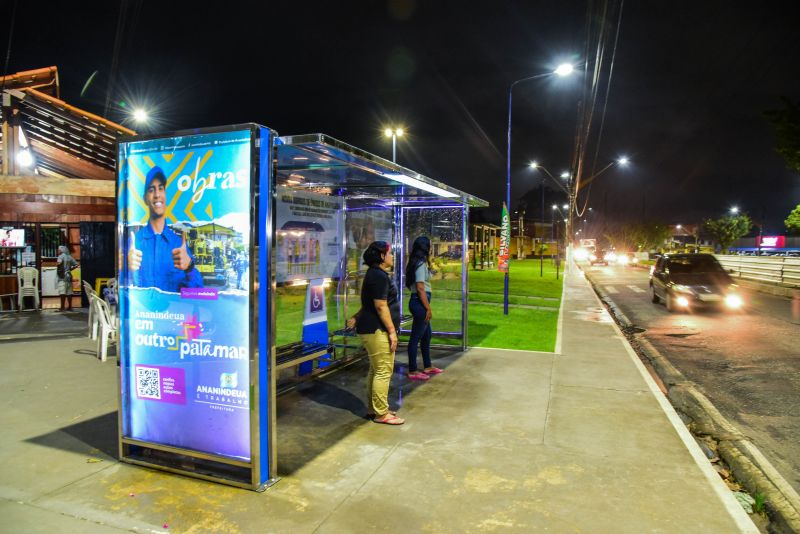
column 371, row 415
column 433, row 371
column 391, row 420
column 418, row 376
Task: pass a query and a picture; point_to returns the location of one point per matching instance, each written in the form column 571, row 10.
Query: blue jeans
column 420, row 333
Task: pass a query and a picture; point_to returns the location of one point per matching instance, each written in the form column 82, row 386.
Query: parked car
column 689, row 281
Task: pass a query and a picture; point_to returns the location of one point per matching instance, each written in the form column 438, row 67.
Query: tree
column 786, row 123
column 728, row 229
column 643, row 236
column 792, row 222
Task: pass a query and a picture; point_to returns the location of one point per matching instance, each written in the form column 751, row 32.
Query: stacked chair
column 28, row 285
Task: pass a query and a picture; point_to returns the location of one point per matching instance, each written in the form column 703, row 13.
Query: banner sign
column 184, row 216
column 505, row 240
column 309, row 232
column 775, row 241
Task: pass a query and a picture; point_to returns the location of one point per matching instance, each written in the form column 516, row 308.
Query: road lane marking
column 637, row 289
column 612, row 290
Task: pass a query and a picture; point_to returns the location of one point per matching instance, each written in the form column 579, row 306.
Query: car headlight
column 682, row 301
column 733, row 301
column 622, row 259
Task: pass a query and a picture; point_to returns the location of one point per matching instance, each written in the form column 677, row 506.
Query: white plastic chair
column 28, row 285
column 110, row 294
column 107, row 327
column 93, row 320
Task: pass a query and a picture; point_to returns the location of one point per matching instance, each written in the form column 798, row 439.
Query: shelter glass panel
column 444, row 226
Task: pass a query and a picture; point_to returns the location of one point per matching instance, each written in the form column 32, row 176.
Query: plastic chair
column 110, row 294
column 93, row 320
column 107, row 327
column 28, row 283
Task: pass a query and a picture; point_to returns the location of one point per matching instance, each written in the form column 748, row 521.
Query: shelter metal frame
column 320, row 164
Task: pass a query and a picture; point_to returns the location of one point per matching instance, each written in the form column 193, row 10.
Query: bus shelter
column 239, row 263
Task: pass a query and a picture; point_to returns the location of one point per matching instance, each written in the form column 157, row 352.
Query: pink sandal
column 433, row 371
column 389, row 419
column 416, row 375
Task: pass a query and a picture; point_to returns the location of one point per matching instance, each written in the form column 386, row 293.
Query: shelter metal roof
column 320, row 162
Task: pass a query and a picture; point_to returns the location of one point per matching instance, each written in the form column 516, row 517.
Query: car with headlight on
column 685, row 282
column 600, row 257
column 626, row 258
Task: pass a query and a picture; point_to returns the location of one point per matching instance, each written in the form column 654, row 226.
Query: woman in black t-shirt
column 377, row 323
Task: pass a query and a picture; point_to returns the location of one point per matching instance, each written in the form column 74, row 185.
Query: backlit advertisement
column 184, row 263
column 774, row 241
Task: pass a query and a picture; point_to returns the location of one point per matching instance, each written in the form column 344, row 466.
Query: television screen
column 12, row 237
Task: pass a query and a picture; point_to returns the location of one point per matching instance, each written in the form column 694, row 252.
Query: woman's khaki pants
column 381, row 367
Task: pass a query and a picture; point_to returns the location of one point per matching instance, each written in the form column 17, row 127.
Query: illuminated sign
column 184, row 218
column 778, row 241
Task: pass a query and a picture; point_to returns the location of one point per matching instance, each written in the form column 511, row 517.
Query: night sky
column 690, row 83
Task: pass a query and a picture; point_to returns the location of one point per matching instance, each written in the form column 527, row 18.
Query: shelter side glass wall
column 323, row 235
column 444, row 226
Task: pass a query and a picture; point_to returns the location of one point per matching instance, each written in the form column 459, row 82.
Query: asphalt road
column 747, row 363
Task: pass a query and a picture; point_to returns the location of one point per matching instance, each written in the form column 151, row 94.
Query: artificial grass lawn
column 522, row 328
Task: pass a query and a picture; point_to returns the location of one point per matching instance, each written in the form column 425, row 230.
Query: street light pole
column 541, row 245
column 394, row 133
column 562, row 70
column 574, row 188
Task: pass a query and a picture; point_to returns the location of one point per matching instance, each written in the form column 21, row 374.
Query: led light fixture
column 419, row 184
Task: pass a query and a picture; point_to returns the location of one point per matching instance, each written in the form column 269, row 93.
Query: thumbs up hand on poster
column 134, row 255
column 180, row 255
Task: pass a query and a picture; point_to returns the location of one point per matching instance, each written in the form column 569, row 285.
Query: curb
column 749, row 466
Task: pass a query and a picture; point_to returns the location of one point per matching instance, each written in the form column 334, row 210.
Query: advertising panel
column 309, row 235
column 184, row 215
column 773, row 241
column 505, row 240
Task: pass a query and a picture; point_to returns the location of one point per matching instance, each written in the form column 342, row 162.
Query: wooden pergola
column 71, row 178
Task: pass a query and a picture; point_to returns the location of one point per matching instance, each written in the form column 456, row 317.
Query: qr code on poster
column 148, row 383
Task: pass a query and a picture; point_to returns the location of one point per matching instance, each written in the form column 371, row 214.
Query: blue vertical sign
column 184, row 212
column 315, row 320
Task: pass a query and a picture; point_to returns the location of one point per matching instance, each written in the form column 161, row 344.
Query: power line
column 8, row 48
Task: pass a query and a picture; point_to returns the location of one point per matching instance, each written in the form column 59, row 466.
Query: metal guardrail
column 775, row 270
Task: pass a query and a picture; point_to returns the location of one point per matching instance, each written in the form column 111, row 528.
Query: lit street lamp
column 622, row 161
column 562, row 70
column 394, row 133
column 140, row 115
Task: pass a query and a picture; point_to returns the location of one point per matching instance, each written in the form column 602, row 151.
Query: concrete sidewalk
column 577, row 441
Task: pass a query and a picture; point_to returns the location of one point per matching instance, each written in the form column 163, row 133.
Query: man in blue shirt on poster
column 157, row 256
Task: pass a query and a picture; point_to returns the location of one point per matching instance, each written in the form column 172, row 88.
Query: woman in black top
column 377, row 323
